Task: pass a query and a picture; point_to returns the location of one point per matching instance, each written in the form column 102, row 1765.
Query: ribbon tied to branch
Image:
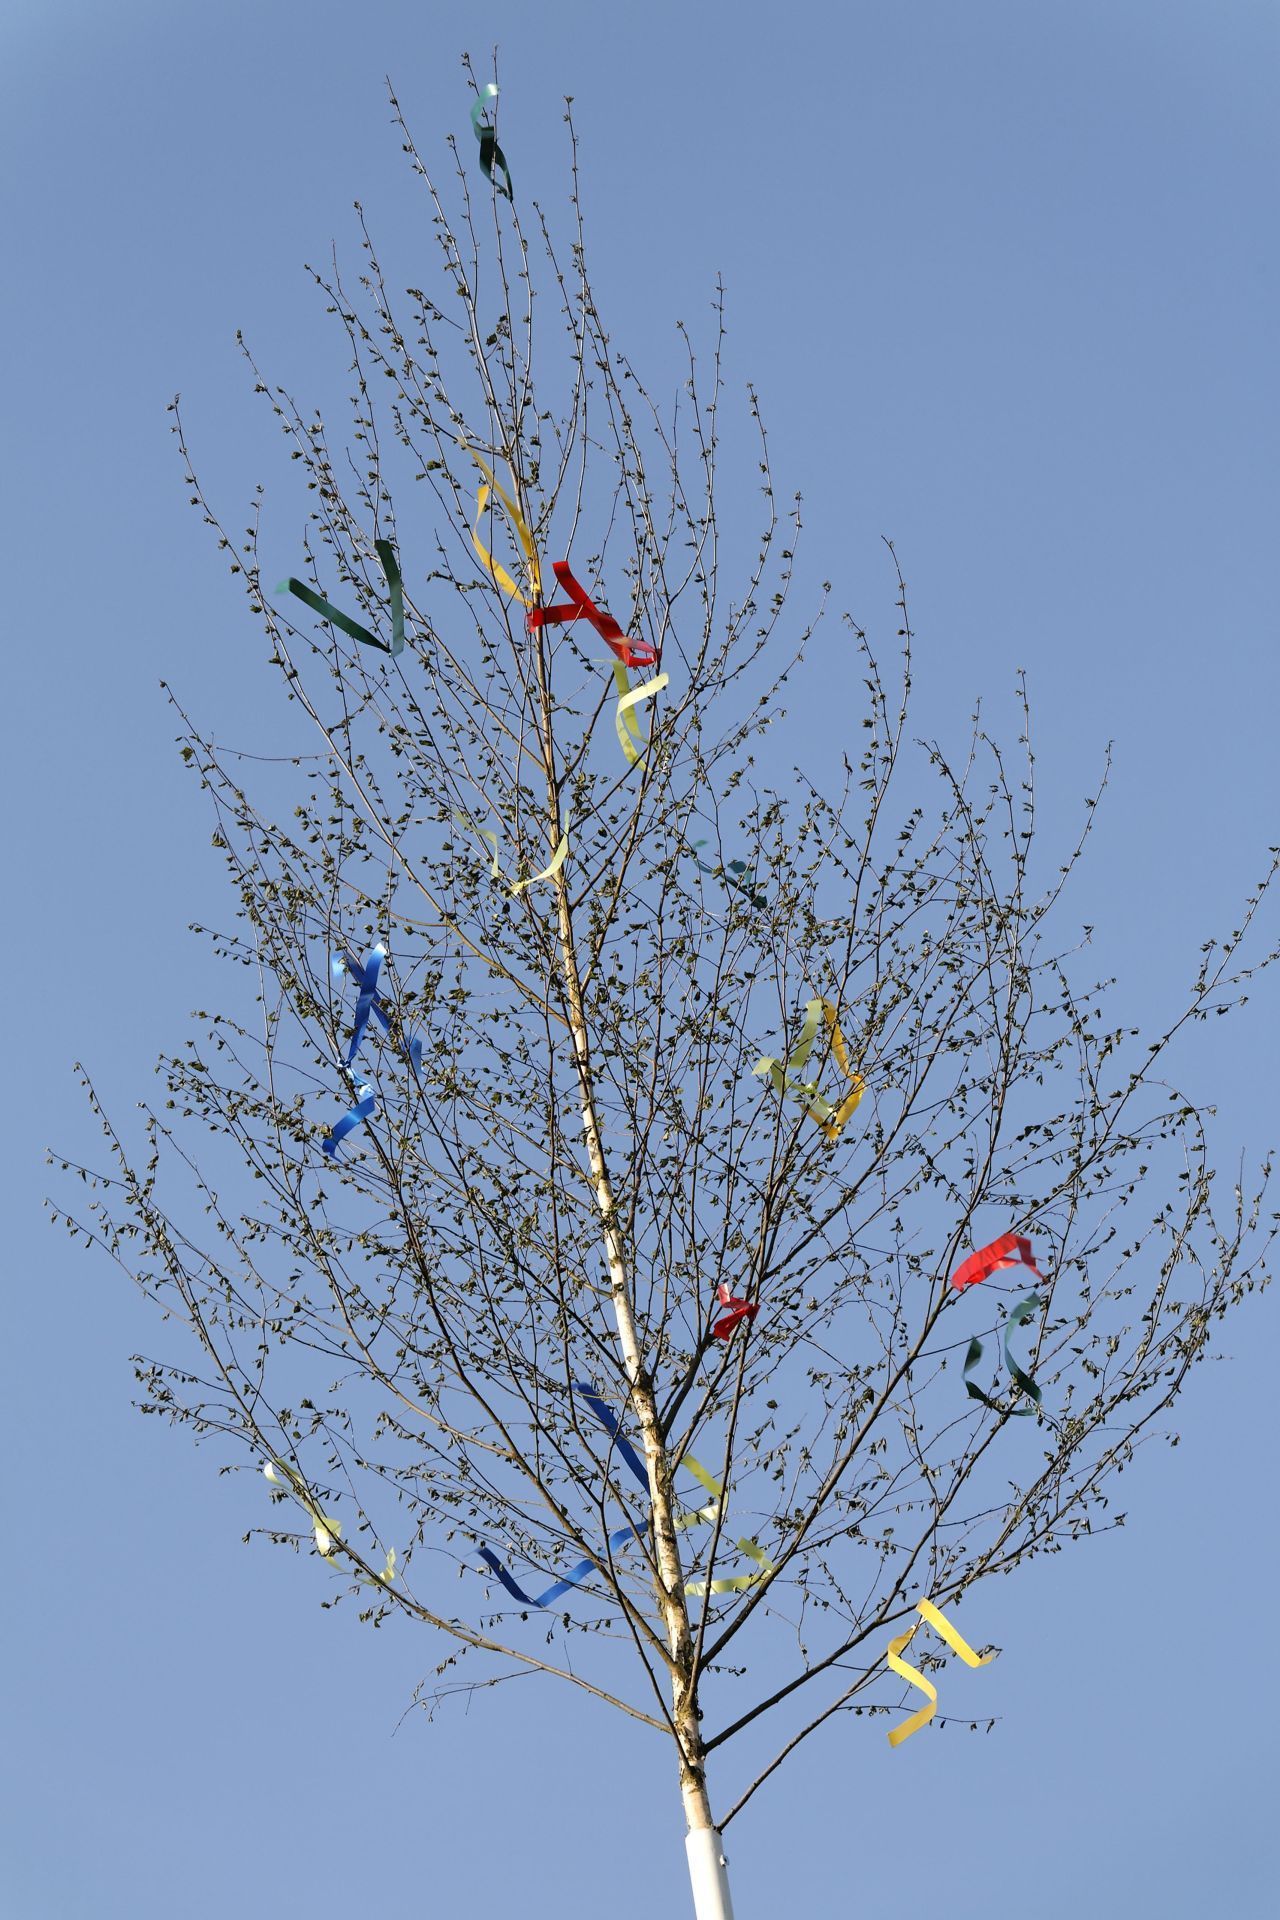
column 897, row 1647
column 830, row 1119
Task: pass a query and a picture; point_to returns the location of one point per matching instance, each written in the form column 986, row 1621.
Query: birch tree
column 566, row 1206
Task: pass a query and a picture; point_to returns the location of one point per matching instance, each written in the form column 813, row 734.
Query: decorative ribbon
column 495, row 871
column 548, row 873
column 631, row 740
column 898, row 1646
column 1029, row 1304
column 626, row 1452
column 830, row 1119
column 613, row 1427
column 491, row 153
column 553, row 1593
column 1010, row 1250
column 327, row 1528
column 738, row 1310
column 740, row 1582
column 395, row 586
column 737, row 874
column 366, row 1101
column 523, row 535
column 365, row 975
column 632, row 653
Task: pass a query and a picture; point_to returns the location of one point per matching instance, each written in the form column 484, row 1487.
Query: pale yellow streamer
column 327, row 1530
column 464, row 820
column 710, row 1514
column 522, row 532
column 829, row 1118
column 548, row 873
column 939, row 1622
column 633, row 743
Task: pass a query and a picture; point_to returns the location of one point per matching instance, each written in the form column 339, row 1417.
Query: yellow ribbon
column 523, row 535
column 327, row 1529
column 710, row 1514
column 898, row 1646
column 633, row 744
column 464, row 820
column 829, row 1118
column 548, row 873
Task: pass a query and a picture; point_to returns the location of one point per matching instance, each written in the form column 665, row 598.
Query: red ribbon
column 632, row 653
column 738, row 1310
column 1010, row 1250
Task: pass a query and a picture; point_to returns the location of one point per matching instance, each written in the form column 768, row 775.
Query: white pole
column 708, row 1874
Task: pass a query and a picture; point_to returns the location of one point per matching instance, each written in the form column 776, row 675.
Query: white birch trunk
column 707, row 1865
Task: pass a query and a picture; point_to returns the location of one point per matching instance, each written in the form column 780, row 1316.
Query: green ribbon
column 395, row 586
column 1022, row 1311
column 491, row 153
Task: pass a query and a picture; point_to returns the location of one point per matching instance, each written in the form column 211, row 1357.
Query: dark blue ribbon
column 613, row 1427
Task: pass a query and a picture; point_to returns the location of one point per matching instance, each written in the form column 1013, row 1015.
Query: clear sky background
column 1005, row 274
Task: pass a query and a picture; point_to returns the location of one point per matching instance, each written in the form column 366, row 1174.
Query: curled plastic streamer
column 830, row 1119
column 898, row 1646
column 491, row 154
column 580, row 606
column 738, row 1310
column 491, row 486
column 395, row 586
column 630, row 738
column 1010, row 1250
column 1022, row 1311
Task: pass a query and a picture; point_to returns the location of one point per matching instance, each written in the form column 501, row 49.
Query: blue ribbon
column 737, row 874
column 366, row 1101
column 365, row 976
column 552, row 1594
column 613, row 1427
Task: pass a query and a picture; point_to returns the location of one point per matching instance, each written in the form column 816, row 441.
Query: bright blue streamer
column 365, row 976
column 366, row 1101
column 552, row 1594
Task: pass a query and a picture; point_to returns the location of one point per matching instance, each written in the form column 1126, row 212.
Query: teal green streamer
column 1018, row 1314
column 491, row 153
column 395, row 586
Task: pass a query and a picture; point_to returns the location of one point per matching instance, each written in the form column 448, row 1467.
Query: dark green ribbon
column 491, row 153
column 395, row 586
column 1022, row 1311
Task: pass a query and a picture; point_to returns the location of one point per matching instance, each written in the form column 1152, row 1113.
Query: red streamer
column 738, row 1310
column 632, row 653
column 1010, row 1250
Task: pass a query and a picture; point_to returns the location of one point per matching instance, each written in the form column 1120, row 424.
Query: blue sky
column 1005, row 275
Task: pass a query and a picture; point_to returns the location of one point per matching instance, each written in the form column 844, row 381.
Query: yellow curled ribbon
column 465, row 820
column 898, row 1646
column 327, row 1529
column 631, row 740
column 829, row 1118
column 548, row 873
column 710, row 1514
column 494, row 567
